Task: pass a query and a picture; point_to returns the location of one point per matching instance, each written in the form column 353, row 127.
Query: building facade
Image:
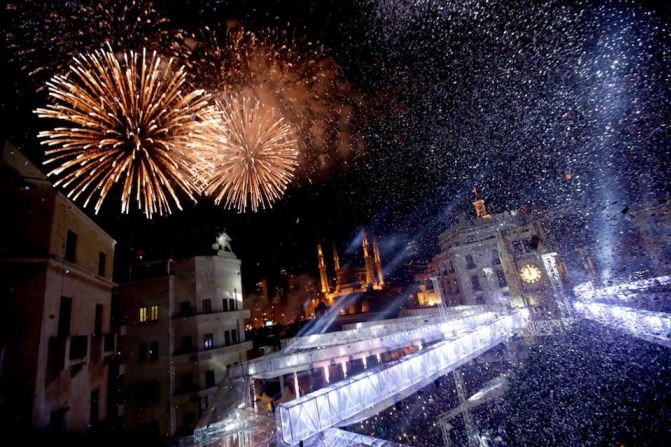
column 183, row 326
column 56, row 286
column 501, row 259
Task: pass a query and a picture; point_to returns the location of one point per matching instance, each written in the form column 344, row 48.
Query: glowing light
column 128, row 121
column 530, row 274
column 256, row 157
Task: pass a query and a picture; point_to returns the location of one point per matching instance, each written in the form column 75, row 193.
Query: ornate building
column 500, row 258
column 349, row 281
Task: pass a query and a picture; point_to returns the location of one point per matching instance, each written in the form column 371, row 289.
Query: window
column 231, row 304
column 71, row 246
column 187, row 344
column 142, row 352
column 207, row 306
column 501, row 278
column 185, row 307
column 95, row 407
column 187, row 382
column 208, row 341
column 78, row 347
column 148, row 313
column 227, row 338
column 496, row 259
column 153, row 313
column 98, row 321
column 57, row 421
column 234, row 336
column 64, row 316
column 224, row 304
column 475, row 282
column 153, row 350
column 209, row 378
column 204, row 405
column 188, row 419
column 470, row 263
column 144, row 316
column 102, row 260
column 148, row 392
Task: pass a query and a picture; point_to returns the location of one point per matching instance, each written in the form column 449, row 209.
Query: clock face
column 530, row 274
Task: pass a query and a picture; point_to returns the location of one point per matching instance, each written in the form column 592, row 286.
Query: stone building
column 183, row 326
column 55, row 294
column 502, row 259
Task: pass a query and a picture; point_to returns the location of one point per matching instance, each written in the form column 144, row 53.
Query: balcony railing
column 65, row 352
column 78, row 348
column 192, row 311
column 199, row 353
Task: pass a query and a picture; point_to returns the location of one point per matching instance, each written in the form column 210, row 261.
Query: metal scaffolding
column 646, row 324
column 367, row 393
column 324, row 349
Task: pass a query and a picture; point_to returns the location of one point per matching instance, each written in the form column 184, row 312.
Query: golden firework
column 256, row 158
column 42, row 37
column 129, row 122
column 295, row 76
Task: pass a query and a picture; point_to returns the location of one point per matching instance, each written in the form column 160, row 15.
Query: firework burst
column 293, row 75
column 44, row 36
column 257, row 156
column 130, row 121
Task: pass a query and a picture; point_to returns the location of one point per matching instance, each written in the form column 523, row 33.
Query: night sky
column 564, row 103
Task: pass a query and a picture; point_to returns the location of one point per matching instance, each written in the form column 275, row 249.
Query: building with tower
column 182, row 327
column 503, row 258
column 350, row 280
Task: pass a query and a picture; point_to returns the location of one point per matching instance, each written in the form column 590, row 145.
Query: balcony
column 240, row 314
column 193, row 355
column 73, row 351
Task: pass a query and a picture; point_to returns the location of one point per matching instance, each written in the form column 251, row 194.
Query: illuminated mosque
column 350, row 280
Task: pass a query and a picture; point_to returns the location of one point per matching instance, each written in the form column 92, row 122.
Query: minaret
column 479, row 205
column 336, row 262
column 378, row 263
column 370, row 275
column 322, row 269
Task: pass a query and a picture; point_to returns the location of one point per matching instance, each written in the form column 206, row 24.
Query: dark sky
column 508, row 95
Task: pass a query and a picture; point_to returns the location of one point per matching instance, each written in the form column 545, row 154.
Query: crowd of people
column 589, row 386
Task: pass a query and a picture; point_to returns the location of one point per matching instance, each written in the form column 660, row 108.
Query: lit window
column 143, row 314
column 154, row 313
column 208, row 341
